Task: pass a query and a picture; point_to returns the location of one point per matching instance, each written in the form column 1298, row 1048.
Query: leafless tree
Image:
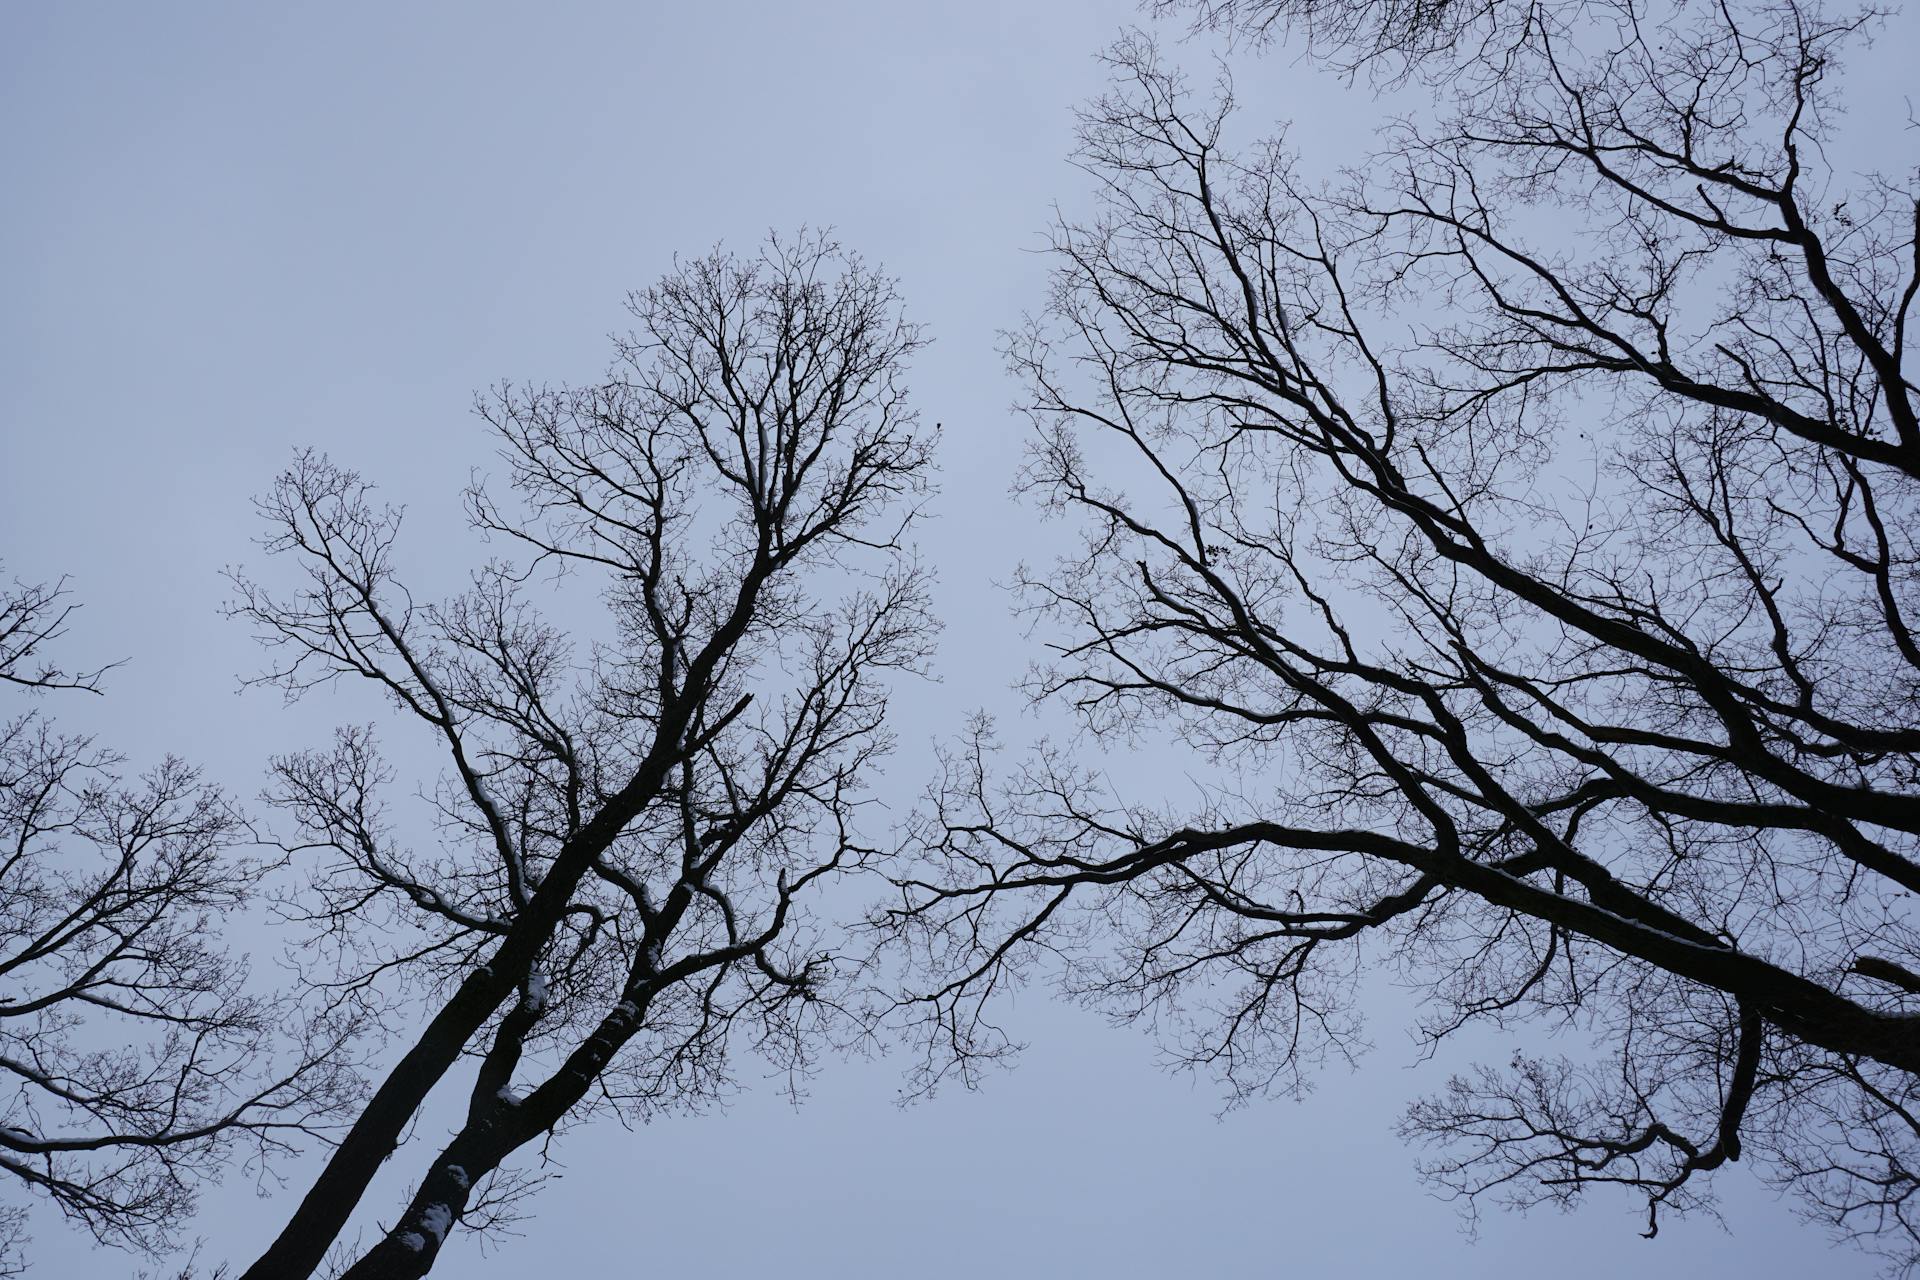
column 629, row 833
column 1385, row 39
column 137, row 1059
column 1520, row 535
column 33, row 615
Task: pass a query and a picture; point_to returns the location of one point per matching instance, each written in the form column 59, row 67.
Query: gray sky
column 231, row 230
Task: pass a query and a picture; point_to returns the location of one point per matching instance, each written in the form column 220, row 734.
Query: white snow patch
column 436, row 1220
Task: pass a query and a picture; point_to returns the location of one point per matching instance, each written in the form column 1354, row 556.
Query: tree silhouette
column 1519, row 535
column 629, row 833
column 137, row 1060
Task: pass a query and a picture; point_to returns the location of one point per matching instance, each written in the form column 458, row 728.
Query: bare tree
column 33, row 615
column 630, row 833
column 137, row 1060
column 1522, row 533
column 1388, row 39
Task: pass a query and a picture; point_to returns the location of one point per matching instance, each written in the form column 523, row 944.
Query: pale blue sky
column 231, row 230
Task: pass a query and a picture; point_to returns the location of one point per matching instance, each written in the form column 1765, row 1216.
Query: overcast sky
column 232, row 230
